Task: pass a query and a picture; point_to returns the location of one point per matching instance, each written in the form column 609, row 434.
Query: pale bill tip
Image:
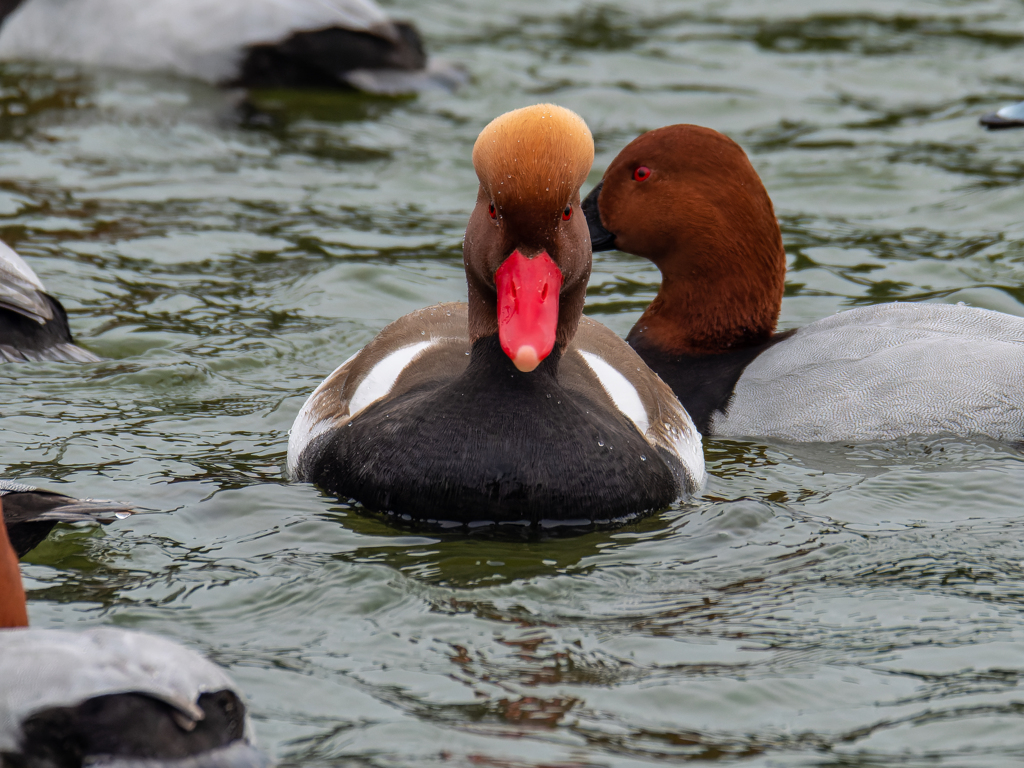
column 526, row 359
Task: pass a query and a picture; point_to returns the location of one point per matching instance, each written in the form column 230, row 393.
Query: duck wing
column 35, row 325
column 436, row 337
column 30, row 513
column 21, row 290
column 48, row 674
column 598, row 359
column 205, row 39
column 886, row 371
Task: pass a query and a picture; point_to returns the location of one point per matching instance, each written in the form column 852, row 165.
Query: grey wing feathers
column 61, row 352
column 87, row 511
column 9, row 486
column 887, row 371
column 25, row 503
column 436, row 76
column 21, row 290
column 44, row 668
column 196, row 38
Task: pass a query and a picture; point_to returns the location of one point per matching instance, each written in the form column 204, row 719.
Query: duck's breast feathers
column 430, row 345
column 45, row 668
column 198, row 38
column 886, row 371
column 598, row 361
column 21, row 290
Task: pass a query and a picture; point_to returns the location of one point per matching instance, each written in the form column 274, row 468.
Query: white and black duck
column 513, row 410
column 243, row 43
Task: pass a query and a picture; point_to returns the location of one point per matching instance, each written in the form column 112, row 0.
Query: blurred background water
column 839, row 605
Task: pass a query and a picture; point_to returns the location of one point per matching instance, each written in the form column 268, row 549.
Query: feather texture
column 44, row 668
column 886, row 371
column 204, row 39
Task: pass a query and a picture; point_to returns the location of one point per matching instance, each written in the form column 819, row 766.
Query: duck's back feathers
column 112, row 692
column 30, row 513
column 886, row 371
column 250, row 43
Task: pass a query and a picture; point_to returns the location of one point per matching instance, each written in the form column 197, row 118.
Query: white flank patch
column 382, row 377
column 306, row 427
column 622, row 393
column 311, row 423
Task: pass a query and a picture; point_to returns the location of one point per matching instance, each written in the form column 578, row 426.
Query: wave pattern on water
column 840, row 605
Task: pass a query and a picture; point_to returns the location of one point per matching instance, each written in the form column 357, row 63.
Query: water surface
column 843, row 605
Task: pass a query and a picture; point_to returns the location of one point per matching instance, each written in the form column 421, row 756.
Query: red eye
column 567, row 213
column 492, row 211
column 643, row 173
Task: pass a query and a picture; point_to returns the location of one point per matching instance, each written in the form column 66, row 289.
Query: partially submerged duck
column 31, row 513
column 688, row 199
column 1010, row 116
column 33, row 324
column 242, row 43
column 511, row 410
column 110, row 696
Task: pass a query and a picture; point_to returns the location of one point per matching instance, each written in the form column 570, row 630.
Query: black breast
column 497, row 446
column 704, row 384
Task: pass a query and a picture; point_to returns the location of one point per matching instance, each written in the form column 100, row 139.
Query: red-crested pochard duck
column 511, row 410
column 688, row 199
column 30, row 513
column 33, row 324
column 110, row 697
column 246, row 43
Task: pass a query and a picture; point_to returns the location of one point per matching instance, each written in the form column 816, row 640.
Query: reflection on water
column 837, row 605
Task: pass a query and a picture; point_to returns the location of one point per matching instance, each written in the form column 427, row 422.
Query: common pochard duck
column 110, row 697
column 512, row 410
column 688, row 199
column 1010, row 116
column 33, row 324
column 31, row 513
column 246, row 43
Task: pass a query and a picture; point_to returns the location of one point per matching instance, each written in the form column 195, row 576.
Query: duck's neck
column 709, row 306
column 488, row 362
column 12, row 593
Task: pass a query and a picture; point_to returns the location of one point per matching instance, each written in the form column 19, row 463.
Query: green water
column 847, row 605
